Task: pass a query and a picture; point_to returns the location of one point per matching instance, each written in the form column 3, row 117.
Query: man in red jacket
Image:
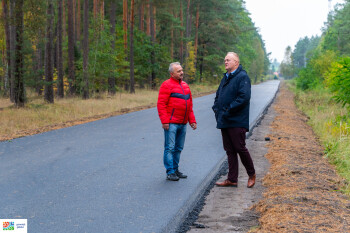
column 175, row 110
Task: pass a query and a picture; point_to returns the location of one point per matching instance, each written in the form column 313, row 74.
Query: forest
column 324, row 61
column 65, row 48
column 321, row 67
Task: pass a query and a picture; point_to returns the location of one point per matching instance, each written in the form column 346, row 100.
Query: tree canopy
column 324, row 61
column 129, row 43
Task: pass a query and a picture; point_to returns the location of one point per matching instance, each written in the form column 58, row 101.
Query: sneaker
column 172, row 177
column 180, row 174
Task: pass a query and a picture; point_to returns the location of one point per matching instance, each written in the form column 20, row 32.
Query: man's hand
column 165, row 126
column 194, row 126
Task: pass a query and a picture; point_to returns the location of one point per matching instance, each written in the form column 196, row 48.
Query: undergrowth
column 331, row 123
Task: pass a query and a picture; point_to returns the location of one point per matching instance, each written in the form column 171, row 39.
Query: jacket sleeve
column 163, row 100
column 191, row 117
column 215, row 108
column 243, row 95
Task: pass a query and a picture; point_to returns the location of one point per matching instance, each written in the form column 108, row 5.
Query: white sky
column 283, row 22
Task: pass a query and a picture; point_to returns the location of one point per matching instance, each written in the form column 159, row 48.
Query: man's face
column 177, row 72
column 230, row 63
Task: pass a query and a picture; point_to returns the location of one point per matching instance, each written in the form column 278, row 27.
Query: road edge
column 189, row 212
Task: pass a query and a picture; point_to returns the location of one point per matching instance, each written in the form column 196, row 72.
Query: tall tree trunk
column 54, row 51
column 13, row 50
column 48, row 93
column 125, row 28
column 102, row 13
column 188, row 30
column 96, row 8
column 132, row 78
column 172, row 34
column 153, row 56
column 8, row 48
column 125, row 24
column 74, row 19
column 86, row 50
column 142, row 16
column 71, row 70
column 4, row 77
column 154, row 21
column 188, row 20
column 148, row 19
column 19, row 82
column 201, row 60
column 60, row 85
column 39, row 69
column 102, row 9
column 111, row 79
column 78, row 20
column 181, row 35
column 64, row 18
column 197, row 27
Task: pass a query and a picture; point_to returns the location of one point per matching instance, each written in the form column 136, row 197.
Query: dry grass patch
column 4, row 103
column 38, row 116
column 302, row 192
column 331, row 123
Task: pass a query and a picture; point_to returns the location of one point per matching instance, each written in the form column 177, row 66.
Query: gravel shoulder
column 297, row 190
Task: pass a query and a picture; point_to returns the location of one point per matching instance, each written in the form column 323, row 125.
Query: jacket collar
column 230, row 76
column 175, row 80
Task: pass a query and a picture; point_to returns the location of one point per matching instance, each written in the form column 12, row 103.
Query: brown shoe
column 226, row 183
column 251, row 181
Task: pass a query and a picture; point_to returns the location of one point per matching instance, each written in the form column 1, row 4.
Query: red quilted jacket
column 175, row 102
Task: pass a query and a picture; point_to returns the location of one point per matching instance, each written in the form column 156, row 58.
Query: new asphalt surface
column 108, row 175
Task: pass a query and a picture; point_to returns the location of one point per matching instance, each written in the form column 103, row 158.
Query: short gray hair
column 171, row 66
column 233, row 54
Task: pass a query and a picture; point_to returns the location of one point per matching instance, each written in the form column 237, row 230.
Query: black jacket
column 232, row 101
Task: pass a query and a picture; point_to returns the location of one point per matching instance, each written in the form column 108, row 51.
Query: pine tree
column 86, row 50
column 19, row 92
column 132, row 75
column 48, row 96
column 71, row 68
column 60, row 85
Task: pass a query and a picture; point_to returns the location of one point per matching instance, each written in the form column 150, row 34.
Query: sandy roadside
column 296, row 191
column 227, row 209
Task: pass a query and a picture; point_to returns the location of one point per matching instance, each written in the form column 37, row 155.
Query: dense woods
column 324, row 61
column 321, row 67
column 60, row 48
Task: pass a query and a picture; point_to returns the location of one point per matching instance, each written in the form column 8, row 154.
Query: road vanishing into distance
column 108, row 175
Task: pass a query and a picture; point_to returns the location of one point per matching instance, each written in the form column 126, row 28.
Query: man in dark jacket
column 175, row 110
column 231, row 107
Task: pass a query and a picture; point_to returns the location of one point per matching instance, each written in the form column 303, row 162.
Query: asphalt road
column 108, row 175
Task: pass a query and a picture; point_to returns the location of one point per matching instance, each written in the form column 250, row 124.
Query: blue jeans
column 173, row 145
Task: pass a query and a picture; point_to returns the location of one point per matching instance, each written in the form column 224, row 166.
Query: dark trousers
column 234, row 143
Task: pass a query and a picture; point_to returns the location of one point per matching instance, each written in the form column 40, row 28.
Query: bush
column 338, row 80
column 307, row 79
column 314, row 73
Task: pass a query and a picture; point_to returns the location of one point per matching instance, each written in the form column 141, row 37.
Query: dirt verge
column 302, row 187
column 300, row 191
column 227, row 209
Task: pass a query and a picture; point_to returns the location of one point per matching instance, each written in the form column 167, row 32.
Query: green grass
column 331, row 123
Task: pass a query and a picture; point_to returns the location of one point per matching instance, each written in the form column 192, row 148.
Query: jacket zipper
column 183, row 91
column 172, row 113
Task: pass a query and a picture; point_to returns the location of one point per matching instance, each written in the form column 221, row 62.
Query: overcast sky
column 283, row 22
